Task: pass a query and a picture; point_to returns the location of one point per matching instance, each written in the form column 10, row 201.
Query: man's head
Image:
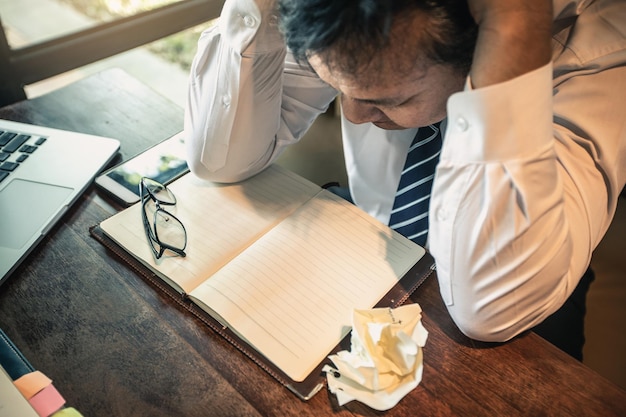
column 395, row 61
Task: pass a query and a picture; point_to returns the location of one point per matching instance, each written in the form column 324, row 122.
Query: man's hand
column 513, row 38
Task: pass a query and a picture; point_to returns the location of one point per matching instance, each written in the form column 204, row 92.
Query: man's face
column 391, row 98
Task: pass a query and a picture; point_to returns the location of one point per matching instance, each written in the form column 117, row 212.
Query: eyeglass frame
column 150, row 230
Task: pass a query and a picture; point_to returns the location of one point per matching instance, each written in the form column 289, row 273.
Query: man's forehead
column 376, row 83
column 405, row 53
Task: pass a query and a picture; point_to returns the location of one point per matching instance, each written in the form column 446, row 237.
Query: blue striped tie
column 409, row 215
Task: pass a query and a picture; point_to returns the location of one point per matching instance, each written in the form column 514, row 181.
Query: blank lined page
column 291, row 294
column 221, row 221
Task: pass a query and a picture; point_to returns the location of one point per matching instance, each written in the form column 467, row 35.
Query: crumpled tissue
column 385, row 361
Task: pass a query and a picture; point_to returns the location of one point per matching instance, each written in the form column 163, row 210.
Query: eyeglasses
column 163, row 230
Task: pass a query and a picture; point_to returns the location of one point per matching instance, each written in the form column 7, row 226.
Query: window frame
column 37, row 62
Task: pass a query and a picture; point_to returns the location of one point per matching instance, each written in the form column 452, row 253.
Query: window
column 52, row 48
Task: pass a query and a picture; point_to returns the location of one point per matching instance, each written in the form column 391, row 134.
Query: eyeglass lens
column 168, row 229
column 159, row 192
column 163, row 229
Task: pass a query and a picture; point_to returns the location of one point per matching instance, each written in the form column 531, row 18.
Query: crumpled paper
column 385, row 361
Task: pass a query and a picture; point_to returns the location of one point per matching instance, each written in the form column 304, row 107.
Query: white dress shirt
column 530, row 169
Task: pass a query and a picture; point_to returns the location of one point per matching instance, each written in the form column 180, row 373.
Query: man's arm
column 513, row 39
column 247, row 98
column 527, row 181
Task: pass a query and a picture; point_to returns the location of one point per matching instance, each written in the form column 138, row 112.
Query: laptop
column 42, row 172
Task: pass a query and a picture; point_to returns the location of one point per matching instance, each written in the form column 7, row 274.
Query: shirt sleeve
column 519, row 202
column 247, row 97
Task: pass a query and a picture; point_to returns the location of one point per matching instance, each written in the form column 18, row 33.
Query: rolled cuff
column 486, row 124
column 250, row 26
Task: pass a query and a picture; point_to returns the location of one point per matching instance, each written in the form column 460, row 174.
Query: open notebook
column 279, row 262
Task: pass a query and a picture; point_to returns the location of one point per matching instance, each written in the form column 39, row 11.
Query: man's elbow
column 500, row 322
column 496, row 307
column 224, row 175
column 199, row 170
column 490, row 330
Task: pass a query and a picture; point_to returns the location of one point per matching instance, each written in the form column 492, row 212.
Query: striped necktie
column 409, row 215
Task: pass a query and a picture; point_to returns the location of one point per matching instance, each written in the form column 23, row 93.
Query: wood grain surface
column 114, row 346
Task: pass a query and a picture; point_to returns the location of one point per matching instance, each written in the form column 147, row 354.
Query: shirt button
column 462, row 124
column 442, row 214
column 249, row 21
column 226, row 100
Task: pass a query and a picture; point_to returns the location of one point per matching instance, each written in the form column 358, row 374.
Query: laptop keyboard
column 15, row 148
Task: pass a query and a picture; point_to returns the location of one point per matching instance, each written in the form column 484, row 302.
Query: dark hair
column 348, row 33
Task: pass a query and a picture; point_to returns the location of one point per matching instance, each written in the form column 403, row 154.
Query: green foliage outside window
column 178, row 48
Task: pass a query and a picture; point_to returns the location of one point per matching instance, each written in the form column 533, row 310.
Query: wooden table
column 114, row 346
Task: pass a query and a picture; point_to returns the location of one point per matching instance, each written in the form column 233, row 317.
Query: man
column 530, row 96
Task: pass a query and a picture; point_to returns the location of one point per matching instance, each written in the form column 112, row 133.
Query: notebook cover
column 12, row 359
column 316, row 380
